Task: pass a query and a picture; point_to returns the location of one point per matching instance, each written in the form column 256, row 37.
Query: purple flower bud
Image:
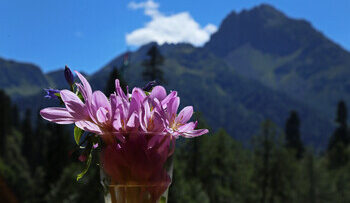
column 68, row 75
column 149, row 86
column 51, row 93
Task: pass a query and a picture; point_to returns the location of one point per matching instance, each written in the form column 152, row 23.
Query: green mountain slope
column 285, row 54
column 21, row 79
column 225, row 98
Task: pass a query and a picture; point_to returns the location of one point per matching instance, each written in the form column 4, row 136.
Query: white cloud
column 150, row 7
column 180, row 27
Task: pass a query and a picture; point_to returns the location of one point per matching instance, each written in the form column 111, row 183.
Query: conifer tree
column 115, row 74
column 292, row 132
column 28, row 138
column 266, row 152
column 5, row 119
column 341, row 133
column 152, row 66
column 15, row 116
column 340, row 139
column 273, row 167
column 39, row 145
column 311, row 194
column 57, row 155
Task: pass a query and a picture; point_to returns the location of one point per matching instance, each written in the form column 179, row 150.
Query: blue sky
column 86, row 34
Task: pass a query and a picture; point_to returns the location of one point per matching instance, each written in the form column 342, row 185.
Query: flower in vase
column 137, row 129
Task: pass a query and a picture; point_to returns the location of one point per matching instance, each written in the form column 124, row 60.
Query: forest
column 39, row 164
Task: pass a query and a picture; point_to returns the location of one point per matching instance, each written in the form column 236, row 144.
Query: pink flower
column 135, row 112
column 138, row 130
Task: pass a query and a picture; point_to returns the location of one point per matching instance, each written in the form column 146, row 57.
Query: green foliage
column 66, row 189
column 36, row 167
column 292, row 132
column 273, row 171
column 339, row 141
column 216, row 168
column 211, row 168
column 5, row 119
column 88, row 163
column 77, row 134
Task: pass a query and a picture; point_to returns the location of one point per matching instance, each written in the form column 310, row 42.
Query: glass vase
column 139, row 169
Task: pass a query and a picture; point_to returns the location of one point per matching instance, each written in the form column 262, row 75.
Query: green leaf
column 162, row 199
column 58, row 95
column 80, row 175
column 80, row 95
column 77, row 134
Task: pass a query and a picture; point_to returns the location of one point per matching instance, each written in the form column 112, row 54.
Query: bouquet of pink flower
column 135, row 131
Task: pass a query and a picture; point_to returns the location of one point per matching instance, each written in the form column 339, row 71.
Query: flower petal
column 195, row 133
column 74, row 105
column 101, row 115
column 172, row 107
column 115, row 102
column 133, row 121
column 158, row 92
column 184, row 115
column 134, row 106
column 88, row 126
column 187, row 127
column 138, row 94
column 166, row 100
column 117, row 121
column 57, row 115
column 85, row 90
column 119, row 90
column 99, row 100
column 158, row 123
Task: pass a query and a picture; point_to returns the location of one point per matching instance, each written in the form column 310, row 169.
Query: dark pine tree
column 5, row 119
column 39, row 149
column 292, row 132
column 340, row 139
column 57, row 154
column 152, row 66
column 340, row 135
column 115, row 74
column 266, row 154
column 28, row 138
column 15, row 116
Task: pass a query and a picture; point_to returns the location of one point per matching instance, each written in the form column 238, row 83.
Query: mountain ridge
column 285, row 54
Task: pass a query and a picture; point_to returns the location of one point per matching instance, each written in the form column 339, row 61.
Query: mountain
column 259, row 65
column 284, row 54
column 21, row 79
column 56, row 79
column 225, row 98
